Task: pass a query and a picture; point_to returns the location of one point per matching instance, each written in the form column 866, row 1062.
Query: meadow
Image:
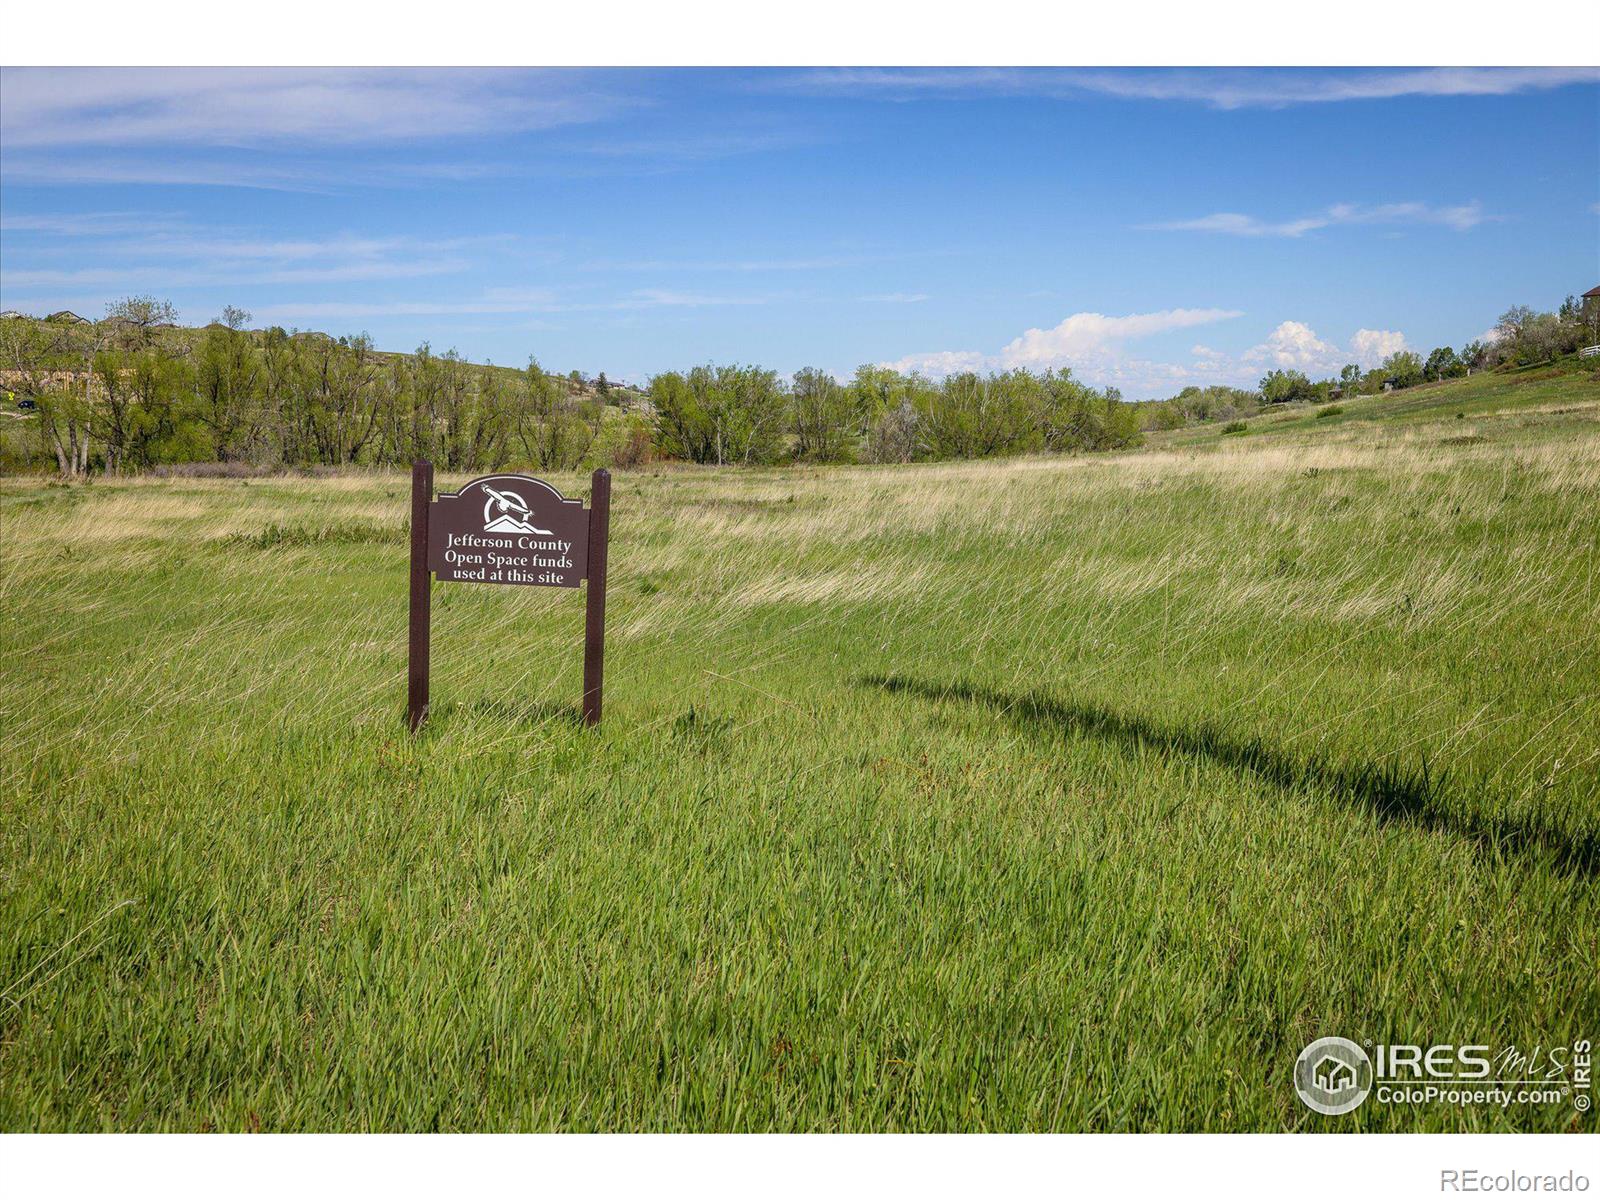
column 1051, row 793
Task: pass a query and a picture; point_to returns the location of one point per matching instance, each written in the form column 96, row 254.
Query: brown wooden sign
column 511, row 529
column 508, row 529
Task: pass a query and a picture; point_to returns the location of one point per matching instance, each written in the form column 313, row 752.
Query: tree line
column 749, row 415
column 135, row 392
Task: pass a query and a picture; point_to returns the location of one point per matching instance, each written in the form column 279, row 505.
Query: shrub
column 1235, row 427
column 274, row 536
column 1333, row 410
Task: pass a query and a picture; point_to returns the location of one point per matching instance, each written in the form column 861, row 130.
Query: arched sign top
column 499, row 482
column 508, row 529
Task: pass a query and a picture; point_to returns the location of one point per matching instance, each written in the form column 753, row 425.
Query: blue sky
column 1148, row 228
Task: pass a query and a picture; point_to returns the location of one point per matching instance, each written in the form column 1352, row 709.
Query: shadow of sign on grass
column 511, row 711
column 1391, row 792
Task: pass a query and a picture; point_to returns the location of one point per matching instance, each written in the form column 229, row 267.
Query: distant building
column 10, row 314
column 1591, row 303
column 64, row 317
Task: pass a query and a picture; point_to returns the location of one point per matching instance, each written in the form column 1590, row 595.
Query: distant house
column 65, row 317
column 1591, row 303
column 10, row 314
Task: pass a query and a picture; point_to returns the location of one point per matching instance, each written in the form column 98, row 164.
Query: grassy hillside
column 1539, row 392
column 81, row 340
column 1038, row 794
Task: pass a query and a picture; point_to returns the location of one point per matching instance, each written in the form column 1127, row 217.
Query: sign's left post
column 417, row 682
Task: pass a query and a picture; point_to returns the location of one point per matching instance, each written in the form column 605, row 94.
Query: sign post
column 594, row 613
column 511, row 529
column 421, row 598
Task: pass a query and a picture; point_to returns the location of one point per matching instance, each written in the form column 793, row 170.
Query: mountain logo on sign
column 507, row 512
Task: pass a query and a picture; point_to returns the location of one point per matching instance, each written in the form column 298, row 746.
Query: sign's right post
column 594, row 624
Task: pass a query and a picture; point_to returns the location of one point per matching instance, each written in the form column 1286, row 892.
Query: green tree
column 554, row 426
column 1284, row 387
column 821, row 416
column 1403, row 368
column 1443, row 363
column 226, row 395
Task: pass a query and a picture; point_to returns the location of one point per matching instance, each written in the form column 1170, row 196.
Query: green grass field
column 1048, row 794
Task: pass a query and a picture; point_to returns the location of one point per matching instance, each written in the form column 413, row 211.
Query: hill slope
column 1570, row 382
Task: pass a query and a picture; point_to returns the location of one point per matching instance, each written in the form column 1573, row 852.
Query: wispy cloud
column 57, row 107
column 171, row 255
column 490, row 302
column 818, row 263
column 895, row 298
column 145, row 278
column 163, row 171
column 1216, row 88
column 698, row 146
column 1459, row 217
column 89, row 224
column 672, row 298
column 753, row 264
column 529, row 301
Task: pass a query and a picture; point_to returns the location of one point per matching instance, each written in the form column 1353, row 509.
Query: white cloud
column 1217, row 88
column 1294, row 345
column 1459, row 217
column 1087, row 335
column 55, row 107
column 1090, row 343
column 895, row 298
column 1094, row 346
column 1369, row 347
column 940, row 363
